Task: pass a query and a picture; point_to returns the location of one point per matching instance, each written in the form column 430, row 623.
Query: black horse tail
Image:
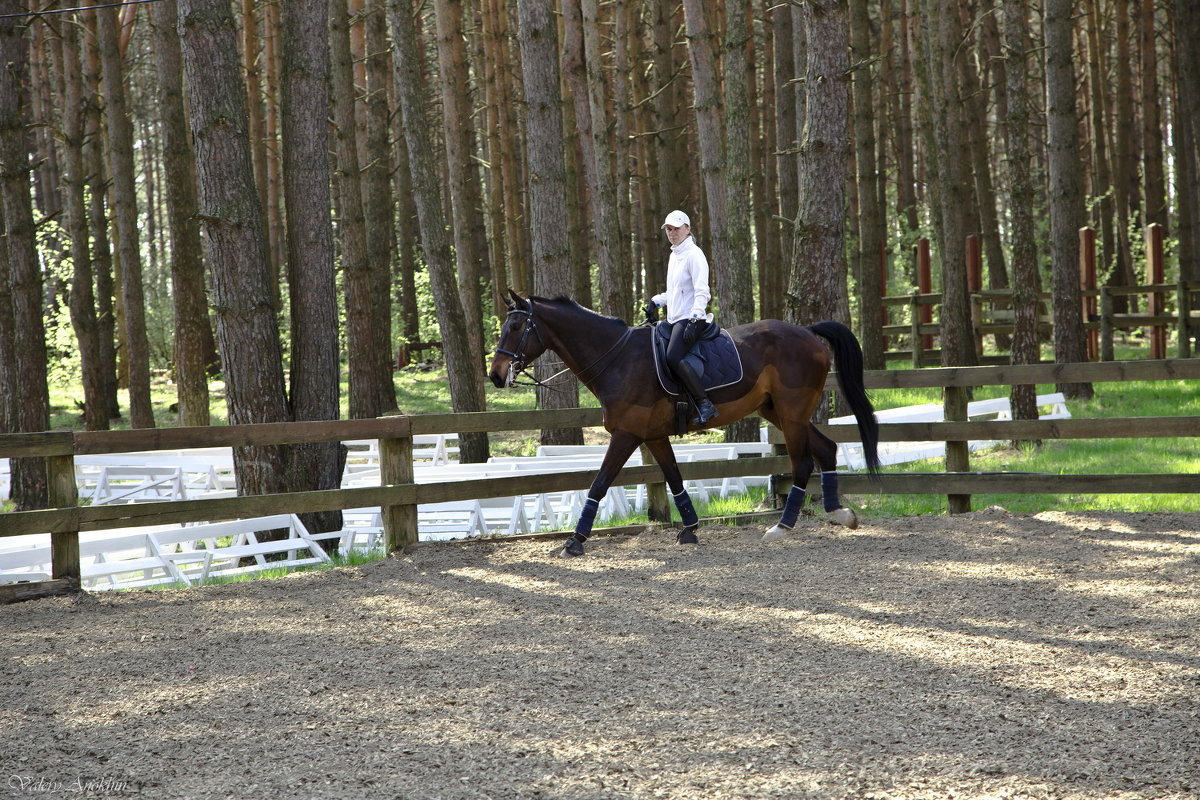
column 848, row 356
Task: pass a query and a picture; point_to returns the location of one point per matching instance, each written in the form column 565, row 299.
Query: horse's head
column 520, row 341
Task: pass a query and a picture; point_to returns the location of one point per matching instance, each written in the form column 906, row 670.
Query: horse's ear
column 507, row 303
column 517, row 300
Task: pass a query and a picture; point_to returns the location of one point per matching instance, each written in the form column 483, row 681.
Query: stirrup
column 705, row 411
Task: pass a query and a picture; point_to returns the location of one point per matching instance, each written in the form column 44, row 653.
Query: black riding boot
column 705, row 410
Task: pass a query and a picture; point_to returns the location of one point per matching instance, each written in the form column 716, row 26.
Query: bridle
column 518, row 364
column 518, row 356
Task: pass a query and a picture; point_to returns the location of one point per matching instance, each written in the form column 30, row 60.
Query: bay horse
column 784, row 367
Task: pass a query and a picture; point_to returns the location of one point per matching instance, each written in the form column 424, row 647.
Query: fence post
column 883, row 290
column 915, row 316
column 395, row 467
column 658, row 501
column 974, row 286
column 63, row 493
column 1106, row 324
column 925, row 286
column 1154, row 274
column 958, row 457
column 1183, row 304
column 1087, row 281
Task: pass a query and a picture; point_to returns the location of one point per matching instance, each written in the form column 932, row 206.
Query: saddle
column 713, row 356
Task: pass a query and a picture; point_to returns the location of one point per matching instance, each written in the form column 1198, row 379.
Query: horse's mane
column 564, row 301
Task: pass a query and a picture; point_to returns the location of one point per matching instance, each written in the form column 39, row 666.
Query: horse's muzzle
column 505, row 379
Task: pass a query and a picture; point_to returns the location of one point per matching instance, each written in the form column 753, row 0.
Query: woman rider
column 686, row 299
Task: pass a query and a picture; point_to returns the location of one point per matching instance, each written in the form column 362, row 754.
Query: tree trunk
column 1102, row 187
column 466, row 378
column 703, row 54
column 458, row 134
column 626, row 182
column 82, row 296
column 585, row 77
column 234, row 240
column 671, row 180
column 252, row 37
column 352, row 230
column 762, row 149
column 817, row 288
column 549, row 261
column 406, row 238
column 1187, row 33
column 9, row 371
column 273, row 61
column 187, row 269
column 1155, row 182
column 974, row 83
column 1066, row 199
column 735, row 282
column 1124, row 157
column 120, row 148
column 774, row 276
column 96, row 170
column 870, row 218
column 315, row 369
column 734, row 277
column 1026, row 348
column 906, row 194
column 511, row 268
column 32, row 412
column 380, row 210
column 955, row 188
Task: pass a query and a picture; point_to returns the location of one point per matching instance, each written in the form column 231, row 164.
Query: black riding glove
column 651, row 311
column 692, row 332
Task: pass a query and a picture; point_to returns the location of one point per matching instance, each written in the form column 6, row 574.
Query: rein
column 518, row 357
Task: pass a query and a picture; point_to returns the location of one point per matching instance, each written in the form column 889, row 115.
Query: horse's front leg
column 620, row 447
column 665, row 456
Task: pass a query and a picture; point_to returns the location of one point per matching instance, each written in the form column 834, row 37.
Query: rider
column 686, row 299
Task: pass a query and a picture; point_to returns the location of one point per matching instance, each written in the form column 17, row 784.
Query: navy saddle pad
column 714, row 357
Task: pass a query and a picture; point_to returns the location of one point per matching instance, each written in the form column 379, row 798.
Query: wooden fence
column 991, row 308
column 991, row 314
column 398, row 495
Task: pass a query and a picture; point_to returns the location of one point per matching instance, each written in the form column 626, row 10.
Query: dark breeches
column 678, row 345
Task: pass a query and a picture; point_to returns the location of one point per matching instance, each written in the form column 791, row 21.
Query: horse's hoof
column 572, row 549
column 687, row 536
column 776, row 533
column 845, row 516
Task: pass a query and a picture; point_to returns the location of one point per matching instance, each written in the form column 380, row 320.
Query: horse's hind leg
column 824, row 450
column 795, row 434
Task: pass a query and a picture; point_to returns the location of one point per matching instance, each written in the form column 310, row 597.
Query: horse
column 784, row 367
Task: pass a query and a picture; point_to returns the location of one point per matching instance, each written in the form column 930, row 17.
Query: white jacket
column 687, row 292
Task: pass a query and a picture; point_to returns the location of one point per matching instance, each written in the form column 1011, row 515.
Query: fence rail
column 1100, row 323
column 398, row 494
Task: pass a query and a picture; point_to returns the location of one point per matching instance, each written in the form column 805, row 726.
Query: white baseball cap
column 677, row 219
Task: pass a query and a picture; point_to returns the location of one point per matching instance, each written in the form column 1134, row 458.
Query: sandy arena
column 981, row 656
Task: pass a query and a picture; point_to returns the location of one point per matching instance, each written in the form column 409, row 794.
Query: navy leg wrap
column 687, row 513
column 791, row 509
column 829, row 492
column 583, row 528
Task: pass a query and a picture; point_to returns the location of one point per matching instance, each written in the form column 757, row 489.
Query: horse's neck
column 581, row 339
